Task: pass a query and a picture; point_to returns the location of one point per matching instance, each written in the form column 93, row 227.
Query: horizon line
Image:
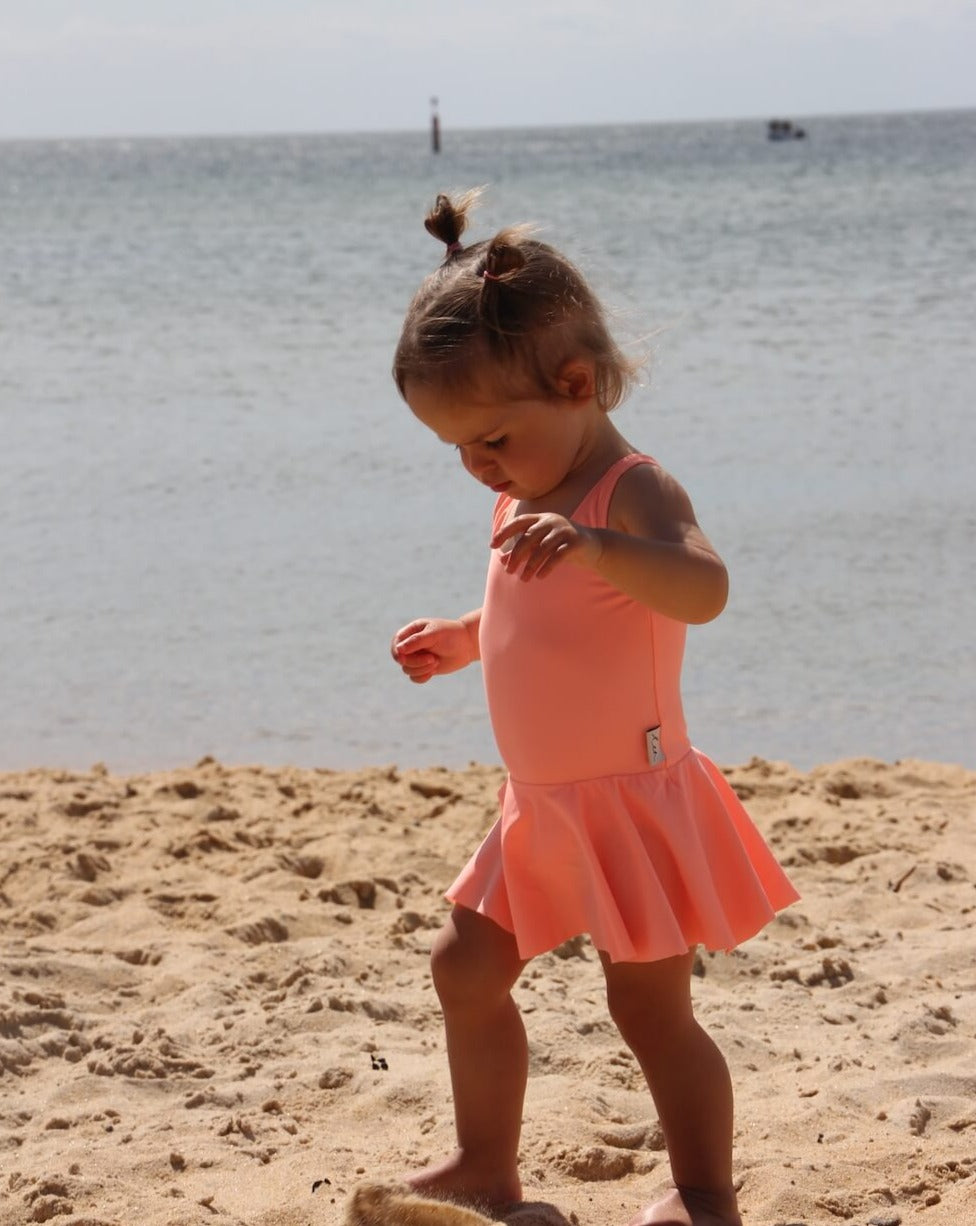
column 254, row 133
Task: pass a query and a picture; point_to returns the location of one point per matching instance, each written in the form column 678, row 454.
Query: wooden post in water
column 435, row 127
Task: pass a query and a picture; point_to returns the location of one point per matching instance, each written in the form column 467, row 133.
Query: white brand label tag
column 655, row 754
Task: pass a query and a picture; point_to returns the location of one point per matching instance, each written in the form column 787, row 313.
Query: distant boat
column 784, row 129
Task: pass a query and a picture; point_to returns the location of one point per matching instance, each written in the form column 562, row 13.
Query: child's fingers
column 542, row 563
column 517, row 540
column 548, row 563
column 536, row 551
column 412, row 638
column 415, row 661
column 411, row 628
column 420, row 667
column 514, row 528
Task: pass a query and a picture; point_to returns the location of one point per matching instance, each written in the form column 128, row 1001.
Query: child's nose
column 477, row 463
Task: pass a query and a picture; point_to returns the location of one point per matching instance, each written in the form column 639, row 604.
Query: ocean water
column 215, row 511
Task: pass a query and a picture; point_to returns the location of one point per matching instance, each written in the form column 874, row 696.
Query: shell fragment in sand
column 377, row 1204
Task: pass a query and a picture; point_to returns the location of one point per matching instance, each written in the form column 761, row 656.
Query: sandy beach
column 215, row 1003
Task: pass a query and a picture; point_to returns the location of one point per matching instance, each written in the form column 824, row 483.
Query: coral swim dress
column 611, row 823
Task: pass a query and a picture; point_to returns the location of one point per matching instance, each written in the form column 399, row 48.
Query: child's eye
column 495, row 443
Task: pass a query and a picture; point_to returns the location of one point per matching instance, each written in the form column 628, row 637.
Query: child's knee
column 639, row 1011
column 469, row 972
column 628, row 1012
column 454, row 970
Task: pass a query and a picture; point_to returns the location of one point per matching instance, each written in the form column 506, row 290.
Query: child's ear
column 576, row 380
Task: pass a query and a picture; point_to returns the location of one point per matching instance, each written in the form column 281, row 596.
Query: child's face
column 522, row 448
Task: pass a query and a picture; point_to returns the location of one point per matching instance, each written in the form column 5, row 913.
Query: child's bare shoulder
column 650, row 501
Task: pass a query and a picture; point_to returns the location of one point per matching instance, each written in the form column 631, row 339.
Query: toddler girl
column 611, row 823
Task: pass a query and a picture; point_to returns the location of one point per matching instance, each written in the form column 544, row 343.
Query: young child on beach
column 611, row 823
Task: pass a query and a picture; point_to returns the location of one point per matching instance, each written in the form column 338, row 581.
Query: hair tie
column 453, row 248
column 490, row 276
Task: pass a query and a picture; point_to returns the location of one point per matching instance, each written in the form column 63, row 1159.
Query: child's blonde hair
column 510, row 309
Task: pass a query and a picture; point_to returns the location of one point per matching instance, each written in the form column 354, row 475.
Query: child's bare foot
column 689, row 1207
column 459, row 1179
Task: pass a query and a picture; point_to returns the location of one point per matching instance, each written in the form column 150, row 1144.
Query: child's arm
column 653, row 549
column 433, row 646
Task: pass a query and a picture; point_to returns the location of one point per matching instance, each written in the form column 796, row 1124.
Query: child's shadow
column 377, row 1204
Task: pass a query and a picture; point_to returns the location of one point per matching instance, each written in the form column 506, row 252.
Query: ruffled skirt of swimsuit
column 648, row 864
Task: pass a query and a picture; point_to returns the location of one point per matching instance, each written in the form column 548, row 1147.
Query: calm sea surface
column 214, row 510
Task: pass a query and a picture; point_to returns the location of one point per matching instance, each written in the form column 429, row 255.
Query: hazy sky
column 186, row 66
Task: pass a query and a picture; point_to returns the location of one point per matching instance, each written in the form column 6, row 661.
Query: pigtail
column 448, row 219
column 502, row 258
column 499, row 268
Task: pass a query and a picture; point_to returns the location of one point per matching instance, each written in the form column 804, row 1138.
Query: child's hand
column 433, row 646
column 531, row 545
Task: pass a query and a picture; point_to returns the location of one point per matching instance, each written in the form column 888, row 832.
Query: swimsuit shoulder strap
column 597, row 501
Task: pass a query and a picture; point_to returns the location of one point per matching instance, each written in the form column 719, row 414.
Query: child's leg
column 689, row 1081
column 475, row 965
